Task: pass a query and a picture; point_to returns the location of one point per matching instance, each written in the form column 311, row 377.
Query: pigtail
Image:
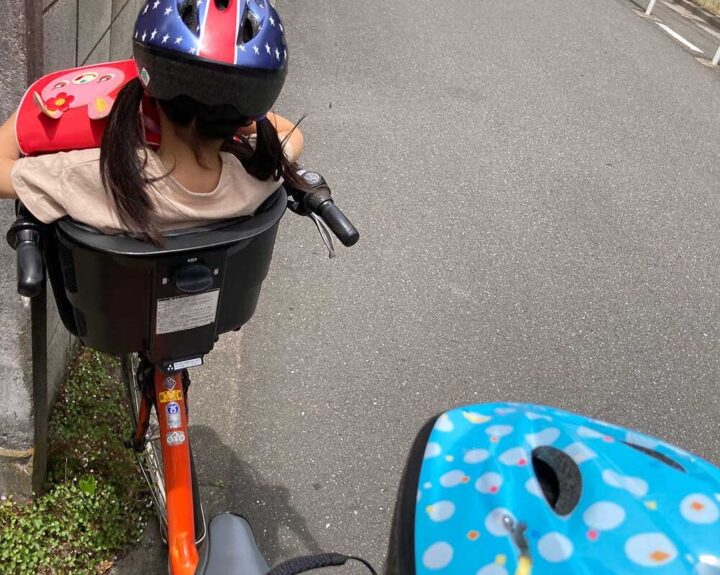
column 269, row 160
column 122, row 165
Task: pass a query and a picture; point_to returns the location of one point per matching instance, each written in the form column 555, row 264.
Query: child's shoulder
column 58, row 161
column 237, row 177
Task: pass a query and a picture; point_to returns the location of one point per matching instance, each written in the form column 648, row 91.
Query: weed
column 95, row 503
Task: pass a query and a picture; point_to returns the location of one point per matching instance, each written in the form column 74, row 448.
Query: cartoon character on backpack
column 91, row 88
column 68, row 110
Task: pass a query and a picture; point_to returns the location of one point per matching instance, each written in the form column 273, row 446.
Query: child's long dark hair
column 122, row 162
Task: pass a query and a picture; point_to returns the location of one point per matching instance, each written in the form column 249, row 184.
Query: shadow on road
column 229, row 484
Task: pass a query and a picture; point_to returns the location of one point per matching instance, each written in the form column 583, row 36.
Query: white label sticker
column 175, row 438
column 173, row 419
column 186, row 312
column 185, row 364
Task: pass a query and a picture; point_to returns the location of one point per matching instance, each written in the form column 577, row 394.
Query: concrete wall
column 40, row 36
column 81, row 32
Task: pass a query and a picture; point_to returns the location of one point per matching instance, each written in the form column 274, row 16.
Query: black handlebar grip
column 30, row 267
column 338, row 223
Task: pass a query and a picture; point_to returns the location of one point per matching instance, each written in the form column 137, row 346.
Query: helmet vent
column 559, row 478
column 249, row 28
column 222, row 4
column 189, row 14
column 656, row 455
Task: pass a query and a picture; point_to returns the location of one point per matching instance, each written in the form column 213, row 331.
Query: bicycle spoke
column 150, row 459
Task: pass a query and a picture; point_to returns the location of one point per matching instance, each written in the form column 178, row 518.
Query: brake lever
column 324, row 235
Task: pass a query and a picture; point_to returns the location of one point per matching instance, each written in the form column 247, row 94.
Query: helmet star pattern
column 656, row 510
column 199, row 27
column 229, row 53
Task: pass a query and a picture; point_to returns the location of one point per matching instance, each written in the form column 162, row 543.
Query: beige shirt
column 68, row 183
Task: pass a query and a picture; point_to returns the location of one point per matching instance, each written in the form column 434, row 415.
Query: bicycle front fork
column 172, row 412
column 167, row 394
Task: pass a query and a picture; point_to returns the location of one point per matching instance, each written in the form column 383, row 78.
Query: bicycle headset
column 218, row 52
column 516, row 489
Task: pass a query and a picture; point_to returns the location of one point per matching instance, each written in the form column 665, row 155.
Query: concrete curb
column 711, row 19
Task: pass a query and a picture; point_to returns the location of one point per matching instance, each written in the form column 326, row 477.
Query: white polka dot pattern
column 476, row 418
column 441, row 511
column 453, row 478
column 580, row 452
column 476, row 456
column 489, row 483
column 545, row 437
column 432, row 450
column 638, row 487
column 708, row 565
column 650, row 550
column 499, row 430
column 589, row 433
column 699, row 508
column 533, row 486
column 438, row 556
column 636, row 514
column 515, row 456
column 555, row 547
column 536, row 416
column 444, row 424
column 494, row 522
column 604, row 516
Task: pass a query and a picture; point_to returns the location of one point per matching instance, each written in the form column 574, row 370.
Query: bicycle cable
column 309, row 562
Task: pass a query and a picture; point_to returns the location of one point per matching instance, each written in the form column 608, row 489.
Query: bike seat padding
column 231, row 549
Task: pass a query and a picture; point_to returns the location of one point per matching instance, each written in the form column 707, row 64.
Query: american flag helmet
column 218, row 52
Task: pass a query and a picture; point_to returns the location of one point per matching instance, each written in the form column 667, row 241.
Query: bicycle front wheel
column 150, row 459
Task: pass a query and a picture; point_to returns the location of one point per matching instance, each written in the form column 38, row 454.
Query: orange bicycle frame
column 183, row 554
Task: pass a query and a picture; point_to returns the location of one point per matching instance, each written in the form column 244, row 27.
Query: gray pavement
column 537, row 188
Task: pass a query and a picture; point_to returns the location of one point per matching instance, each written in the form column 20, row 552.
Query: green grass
column 95, row 503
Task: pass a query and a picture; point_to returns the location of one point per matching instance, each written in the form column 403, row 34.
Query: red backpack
column 68, row 110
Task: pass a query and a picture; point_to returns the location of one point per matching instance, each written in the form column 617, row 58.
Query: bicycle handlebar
column 320, row 202
column 24, row 237
column 30, row 269
column 340, row 225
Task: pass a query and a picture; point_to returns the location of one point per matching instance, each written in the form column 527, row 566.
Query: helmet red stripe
column 218, row 39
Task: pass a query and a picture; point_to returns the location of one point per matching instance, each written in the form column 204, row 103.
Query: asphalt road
column 537, row 188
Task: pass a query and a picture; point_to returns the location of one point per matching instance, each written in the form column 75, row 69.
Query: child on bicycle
column 213, row 70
